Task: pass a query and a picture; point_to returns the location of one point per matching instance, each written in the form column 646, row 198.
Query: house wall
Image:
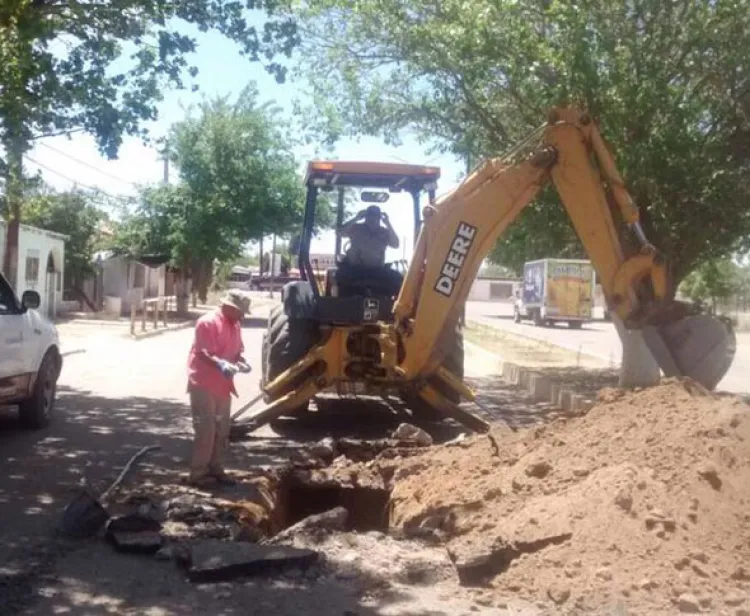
column 493, row 290
column 38, row 249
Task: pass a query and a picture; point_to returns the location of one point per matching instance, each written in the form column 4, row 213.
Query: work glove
column 228, row 369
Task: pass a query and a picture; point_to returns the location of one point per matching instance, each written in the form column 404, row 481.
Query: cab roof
column 393, row 176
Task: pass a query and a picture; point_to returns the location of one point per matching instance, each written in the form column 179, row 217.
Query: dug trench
column 640, row 504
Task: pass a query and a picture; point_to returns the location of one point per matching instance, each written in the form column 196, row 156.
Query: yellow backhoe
column 354, row 339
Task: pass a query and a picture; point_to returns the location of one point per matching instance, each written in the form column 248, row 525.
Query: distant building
column 41, row 264
column 322, row 261
column 122, row 281
column 492, row 289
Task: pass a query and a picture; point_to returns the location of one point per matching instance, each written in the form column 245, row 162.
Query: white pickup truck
column 30, row 360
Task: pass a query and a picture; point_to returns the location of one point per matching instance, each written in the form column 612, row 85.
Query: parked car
column 30, row 360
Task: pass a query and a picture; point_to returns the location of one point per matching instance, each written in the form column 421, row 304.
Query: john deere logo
column 455, row 259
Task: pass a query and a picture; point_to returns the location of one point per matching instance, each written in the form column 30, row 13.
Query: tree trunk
column 638, row 368
column 14, row 195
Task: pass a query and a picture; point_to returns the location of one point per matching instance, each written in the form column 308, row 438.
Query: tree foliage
column 238, row 181
column 715, row 282
column 667, row 81
column 100, row 67
column 74, row 214
column 237, row 161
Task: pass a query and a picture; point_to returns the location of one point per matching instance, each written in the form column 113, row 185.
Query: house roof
column 38, row 230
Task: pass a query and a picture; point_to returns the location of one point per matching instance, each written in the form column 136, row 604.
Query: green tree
column 238, row 180
column 713, row 282
column 237, row 160
column 74, row 214
column 667, row 82
column 101, row 67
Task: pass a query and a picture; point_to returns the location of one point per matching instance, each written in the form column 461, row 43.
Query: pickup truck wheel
column 36, row 411
column 575, row 324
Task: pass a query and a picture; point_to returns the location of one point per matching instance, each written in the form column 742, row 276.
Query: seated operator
column 365, row 258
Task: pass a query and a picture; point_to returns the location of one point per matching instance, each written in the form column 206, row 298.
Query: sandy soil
column 642, row 503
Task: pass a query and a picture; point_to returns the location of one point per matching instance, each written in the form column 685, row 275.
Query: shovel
column 85, row 515
column 238, row 430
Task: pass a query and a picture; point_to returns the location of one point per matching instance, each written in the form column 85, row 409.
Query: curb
column 163, row 330
column 544, row 389
column 540, row 387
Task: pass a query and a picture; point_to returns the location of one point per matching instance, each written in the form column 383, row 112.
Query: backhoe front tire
column 284, row 343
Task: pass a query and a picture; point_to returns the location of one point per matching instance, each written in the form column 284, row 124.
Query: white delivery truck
column 556, row 290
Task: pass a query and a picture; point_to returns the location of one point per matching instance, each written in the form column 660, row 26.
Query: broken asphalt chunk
column 135, row 534
column 329, row 521
column 221, row 561
column 148, row 542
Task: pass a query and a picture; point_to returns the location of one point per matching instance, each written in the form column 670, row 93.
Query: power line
column 69, row 179
column 85, row 164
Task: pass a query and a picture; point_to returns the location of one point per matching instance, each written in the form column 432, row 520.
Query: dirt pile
column 643, row 502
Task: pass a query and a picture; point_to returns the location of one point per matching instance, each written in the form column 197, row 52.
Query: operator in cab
column 365, row 258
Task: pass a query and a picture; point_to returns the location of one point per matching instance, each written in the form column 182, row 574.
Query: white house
column 121, row 281
column 41, row 264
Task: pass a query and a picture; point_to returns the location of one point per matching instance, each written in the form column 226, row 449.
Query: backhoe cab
column 358, row 313
column 363, row 300
column 359, row 341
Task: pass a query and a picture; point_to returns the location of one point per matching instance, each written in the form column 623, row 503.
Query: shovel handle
column 244, row 409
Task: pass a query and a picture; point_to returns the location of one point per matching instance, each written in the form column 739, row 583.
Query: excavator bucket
column 699, row 346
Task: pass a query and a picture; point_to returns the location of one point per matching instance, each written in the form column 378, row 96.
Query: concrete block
column 524, row 378
column 581, row 404
column 566, row 396
column 540, row 387
column 510, row 372
column 554, row 393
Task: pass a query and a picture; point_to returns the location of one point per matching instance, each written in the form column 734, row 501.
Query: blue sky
column 66, row 162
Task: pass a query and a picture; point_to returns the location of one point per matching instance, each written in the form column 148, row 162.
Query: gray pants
column 211, row 426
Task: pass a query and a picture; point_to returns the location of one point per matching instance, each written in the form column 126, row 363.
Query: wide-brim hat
column 236, row 299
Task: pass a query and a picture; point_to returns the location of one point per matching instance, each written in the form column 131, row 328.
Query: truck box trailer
column 556, row 290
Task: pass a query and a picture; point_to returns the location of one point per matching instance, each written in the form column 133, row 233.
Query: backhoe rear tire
column 454, row 362
column 285, row 342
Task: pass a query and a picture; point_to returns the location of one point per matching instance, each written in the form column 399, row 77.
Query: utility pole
column 165, row 158
column 272, row 263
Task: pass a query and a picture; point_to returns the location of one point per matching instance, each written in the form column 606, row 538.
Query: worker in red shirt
column 215, row 357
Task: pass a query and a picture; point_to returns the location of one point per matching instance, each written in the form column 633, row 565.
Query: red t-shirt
column 219, row 337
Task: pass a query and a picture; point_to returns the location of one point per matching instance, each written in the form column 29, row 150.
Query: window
column 139, row 276
column 32, row 266
column 7, row 301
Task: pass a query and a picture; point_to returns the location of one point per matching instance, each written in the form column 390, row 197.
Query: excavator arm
column 460, row 230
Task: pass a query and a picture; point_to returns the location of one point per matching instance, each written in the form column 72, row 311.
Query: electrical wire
column 85, row 164
column 69, row 179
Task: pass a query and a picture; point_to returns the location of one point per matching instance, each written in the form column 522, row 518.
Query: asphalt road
column 117, row 395
column 598, row 339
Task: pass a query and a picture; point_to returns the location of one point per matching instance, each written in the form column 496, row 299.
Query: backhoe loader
column 358, row 341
